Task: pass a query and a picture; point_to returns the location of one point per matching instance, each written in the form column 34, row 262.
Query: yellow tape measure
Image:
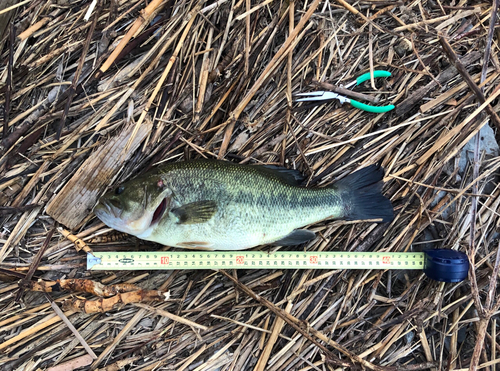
column 441, row 265
column 159, row 260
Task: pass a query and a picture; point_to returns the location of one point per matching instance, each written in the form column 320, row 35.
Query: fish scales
column 218, row 205
column 254, row 207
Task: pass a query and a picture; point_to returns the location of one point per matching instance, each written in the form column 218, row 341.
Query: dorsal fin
column 289, row 176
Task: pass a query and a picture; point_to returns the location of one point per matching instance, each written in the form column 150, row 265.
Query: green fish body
column 219, row 205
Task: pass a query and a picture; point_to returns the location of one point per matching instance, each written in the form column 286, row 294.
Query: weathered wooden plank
column 78, row 197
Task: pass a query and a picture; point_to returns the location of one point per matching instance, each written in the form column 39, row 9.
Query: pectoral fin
column 298, row 236
column 195, row 212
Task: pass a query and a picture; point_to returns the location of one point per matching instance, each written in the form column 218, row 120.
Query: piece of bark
column 81, row 285
column 78, row 197
column 417, row 96
column 103, row 305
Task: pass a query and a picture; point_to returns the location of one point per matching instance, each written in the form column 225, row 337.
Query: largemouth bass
column 219, row 205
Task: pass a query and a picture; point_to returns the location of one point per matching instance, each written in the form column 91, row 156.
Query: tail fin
column 362, row 197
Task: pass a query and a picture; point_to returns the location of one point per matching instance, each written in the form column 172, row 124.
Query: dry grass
column 95, row 95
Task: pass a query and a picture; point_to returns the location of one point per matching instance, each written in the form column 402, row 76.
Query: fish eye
column 119, row 190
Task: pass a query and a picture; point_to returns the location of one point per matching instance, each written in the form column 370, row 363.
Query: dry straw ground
column 95, row 92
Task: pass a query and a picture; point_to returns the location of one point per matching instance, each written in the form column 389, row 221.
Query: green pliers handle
column 365, row 107
column 376, row 74
column 368, row 108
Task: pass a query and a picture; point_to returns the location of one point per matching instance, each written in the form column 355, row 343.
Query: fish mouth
column 100, row 211
column 109, row 215
column 104, row 207
column 160, row 210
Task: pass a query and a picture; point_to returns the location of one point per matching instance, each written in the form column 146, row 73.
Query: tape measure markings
column 159, row 260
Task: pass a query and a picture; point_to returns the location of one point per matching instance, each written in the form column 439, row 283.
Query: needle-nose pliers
column 328, row 95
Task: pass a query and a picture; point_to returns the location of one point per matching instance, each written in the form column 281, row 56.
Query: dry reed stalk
column 33, row 330
column 273, row 64
column 61, row 315
column 278, row 324
column 191, row 16
column 173, row 317
column 138, row 316
column 144, row 17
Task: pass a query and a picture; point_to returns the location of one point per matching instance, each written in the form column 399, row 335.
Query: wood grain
column 78, row 197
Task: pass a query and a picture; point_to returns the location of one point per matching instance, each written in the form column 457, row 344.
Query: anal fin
column 196, row 245
column 297, row 237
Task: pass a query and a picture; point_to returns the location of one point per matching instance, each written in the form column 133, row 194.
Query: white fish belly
column 233, row 229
